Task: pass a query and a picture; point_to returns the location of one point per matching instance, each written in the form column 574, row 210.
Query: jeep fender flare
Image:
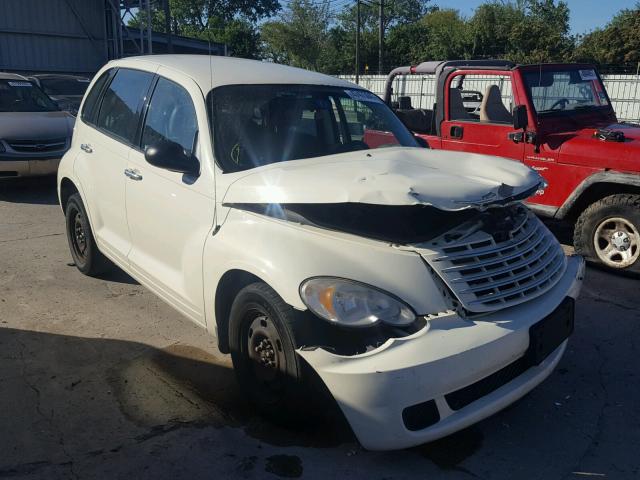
column 600, row 177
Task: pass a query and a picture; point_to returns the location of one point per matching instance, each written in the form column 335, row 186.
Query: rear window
column 120, row 109
column 90, row 108
column 24, row 96
column 64, row 86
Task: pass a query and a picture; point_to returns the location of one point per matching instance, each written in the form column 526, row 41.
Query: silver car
column 34, row 133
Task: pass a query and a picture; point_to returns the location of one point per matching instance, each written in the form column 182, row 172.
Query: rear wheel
column 84, row 251
column 262, row 341
column 608, row 232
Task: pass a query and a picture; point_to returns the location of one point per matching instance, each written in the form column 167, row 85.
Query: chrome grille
column 488, row 266
column 35, row 146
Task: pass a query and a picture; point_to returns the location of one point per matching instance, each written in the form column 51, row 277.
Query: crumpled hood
column 389, row 176
column 35, row 125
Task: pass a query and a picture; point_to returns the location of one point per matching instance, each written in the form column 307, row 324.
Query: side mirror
column 171, row 156
column 520, row 118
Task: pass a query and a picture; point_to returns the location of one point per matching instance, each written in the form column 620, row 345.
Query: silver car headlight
column 353, row 304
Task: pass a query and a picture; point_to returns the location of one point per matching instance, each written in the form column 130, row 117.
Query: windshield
column 257, row 125
column 565, row 90
column 23, row 96
column 64, row 86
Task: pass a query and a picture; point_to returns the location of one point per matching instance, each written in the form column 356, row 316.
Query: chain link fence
column 623, row 89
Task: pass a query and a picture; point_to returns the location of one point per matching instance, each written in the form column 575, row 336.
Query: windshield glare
column 23, row 96
column 256, row 125
column 565, row 90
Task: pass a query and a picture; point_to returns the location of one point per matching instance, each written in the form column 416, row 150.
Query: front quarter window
column 255, row 125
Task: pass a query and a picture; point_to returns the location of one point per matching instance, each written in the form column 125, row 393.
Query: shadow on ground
column 32, row 190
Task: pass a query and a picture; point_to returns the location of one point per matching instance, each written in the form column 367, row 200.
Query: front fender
column 284, row 254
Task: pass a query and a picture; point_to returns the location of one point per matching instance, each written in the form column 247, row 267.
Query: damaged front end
column 446, row 210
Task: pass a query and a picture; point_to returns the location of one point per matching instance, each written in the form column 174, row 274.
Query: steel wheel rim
column 617, row 242
column 264, row 349
column 78, row 236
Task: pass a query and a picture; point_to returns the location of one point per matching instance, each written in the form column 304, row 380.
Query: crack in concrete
column 48, row 419
column 31, row 238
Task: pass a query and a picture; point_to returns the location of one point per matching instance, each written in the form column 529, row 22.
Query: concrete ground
column 99, row 379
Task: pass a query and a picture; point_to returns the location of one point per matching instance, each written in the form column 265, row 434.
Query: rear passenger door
column 170, row 214
column 110, row 120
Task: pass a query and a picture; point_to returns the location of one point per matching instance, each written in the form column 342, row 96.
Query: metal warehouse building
column 79, row 36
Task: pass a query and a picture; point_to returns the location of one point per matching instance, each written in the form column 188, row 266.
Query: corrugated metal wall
column 624, row 91
column 52, row 35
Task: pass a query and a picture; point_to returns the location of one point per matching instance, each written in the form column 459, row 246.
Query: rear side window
column 122, row 102
column 171, row 116
column 89, row 109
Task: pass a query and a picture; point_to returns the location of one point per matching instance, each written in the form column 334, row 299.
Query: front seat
column 456, row 105
column 492, row 109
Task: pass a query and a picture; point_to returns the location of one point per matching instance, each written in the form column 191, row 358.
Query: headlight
column 353, row 304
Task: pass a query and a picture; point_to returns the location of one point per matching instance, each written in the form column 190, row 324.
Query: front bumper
column 373, row 389
column 29, row 167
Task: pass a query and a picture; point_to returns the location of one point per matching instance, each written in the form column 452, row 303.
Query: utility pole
column 381, row 38
column 149, row 34
column 167, row 26
column 358, row 41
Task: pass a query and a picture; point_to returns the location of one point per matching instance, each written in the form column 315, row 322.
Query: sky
column 585, row 14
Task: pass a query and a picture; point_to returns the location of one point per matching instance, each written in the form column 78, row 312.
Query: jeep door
column 478, row 116
column 170, row 214
column 107, row 129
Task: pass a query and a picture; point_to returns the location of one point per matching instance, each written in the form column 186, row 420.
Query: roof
column 11, row 76
column 210, row 71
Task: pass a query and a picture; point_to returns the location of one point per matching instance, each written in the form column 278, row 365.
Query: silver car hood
column 389, row 176
column 35, row 125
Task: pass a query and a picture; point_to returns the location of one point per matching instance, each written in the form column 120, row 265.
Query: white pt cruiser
column 293, row 216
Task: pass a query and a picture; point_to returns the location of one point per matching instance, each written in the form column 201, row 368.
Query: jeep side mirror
column 520, row 118
column 172, row 156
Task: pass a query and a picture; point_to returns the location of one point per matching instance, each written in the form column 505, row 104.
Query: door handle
column 86, row 147
column 132, row 174
column 456, row 131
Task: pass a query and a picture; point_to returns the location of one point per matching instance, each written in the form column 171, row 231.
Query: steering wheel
column 561, row 104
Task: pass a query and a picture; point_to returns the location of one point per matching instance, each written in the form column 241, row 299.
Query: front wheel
column 262, row 342
column 608, row 232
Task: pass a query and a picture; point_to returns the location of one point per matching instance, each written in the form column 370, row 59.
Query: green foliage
column 616, row 43
column 309, row 34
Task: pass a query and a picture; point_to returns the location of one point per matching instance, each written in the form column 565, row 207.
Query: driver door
column 485, row 127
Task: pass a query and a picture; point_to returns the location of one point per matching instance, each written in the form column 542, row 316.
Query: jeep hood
column 389, row 176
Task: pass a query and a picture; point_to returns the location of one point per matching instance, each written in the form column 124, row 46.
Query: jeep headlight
column 353, row 304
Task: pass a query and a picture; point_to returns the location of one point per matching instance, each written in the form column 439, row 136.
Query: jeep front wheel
column 608, row 232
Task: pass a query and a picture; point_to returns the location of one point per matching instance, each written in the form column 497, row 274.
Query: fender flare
column 600, row 177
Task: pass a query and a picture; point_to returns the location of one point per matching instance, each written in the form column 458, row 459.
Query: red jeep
column 556, row 118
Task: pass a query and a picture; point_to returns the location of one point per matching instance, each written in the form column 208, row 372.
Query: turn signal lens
column 353, row 304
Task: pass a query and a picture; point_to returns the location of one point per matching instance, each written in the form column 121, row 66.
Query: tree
column 230, row 21
column 299, row 36
column 617, row 43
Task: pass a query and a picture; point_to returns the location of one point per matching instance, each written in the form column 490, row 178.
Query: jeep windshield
column 23, row 96
column 565, row 90
column 255, row 125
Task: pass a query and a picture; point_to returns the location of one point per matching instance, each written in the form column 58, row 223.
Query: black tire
column 608, row 233
column 84, row 251
column 276, row 380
